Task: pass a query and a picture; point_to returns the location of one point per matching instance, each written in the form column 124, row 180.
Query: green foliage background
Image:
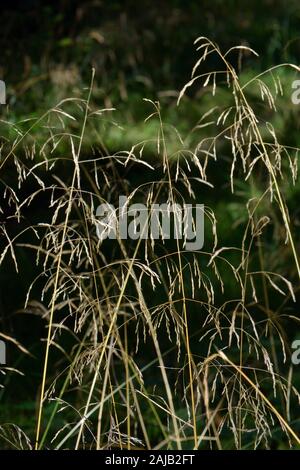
column 139, row 50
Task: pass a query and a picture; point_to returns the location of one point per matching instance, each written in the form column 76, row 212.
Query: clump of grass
column 152, row 351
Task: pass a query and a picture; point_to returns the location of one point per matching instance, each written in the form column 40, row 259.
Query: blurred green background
column 139, row 50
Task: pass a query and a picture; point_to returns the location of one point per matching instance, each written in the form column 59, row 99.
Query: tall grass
column 155, row 346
